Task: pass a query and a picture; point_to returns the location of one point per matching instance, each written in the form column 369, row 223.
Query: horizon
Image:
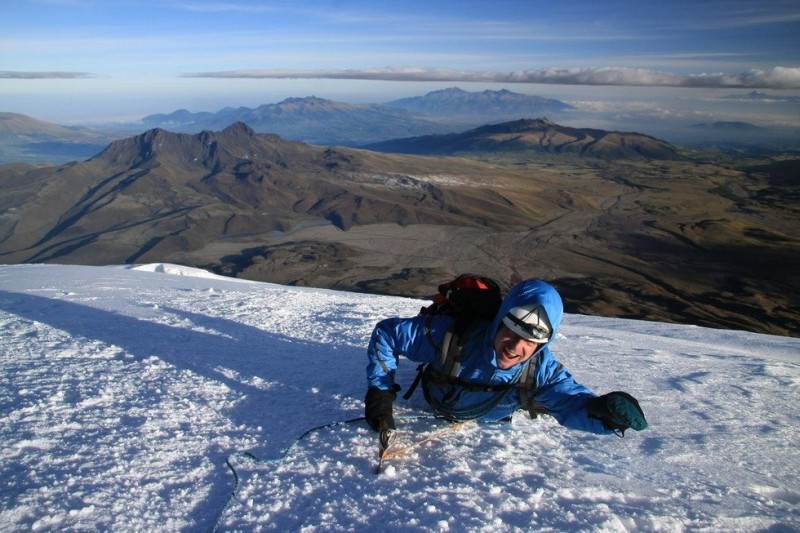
column 86, row 61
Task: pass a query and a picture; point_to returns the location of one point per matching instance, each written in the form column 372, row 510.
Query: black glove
column 378, row 408
column 617, row 410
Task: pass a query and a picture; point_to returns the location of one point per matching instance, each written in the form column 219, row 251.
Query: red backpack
column 468, row 298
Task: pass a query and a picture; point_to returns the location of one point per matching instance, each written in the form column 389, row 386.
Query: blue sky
column 82, row 60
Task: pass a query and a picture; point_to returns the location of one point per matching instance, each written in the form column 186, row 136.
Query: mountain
column 26, row 139
column 312, row 120
column 182, row 118
column 162, row 190
column 132, row 397
column 756, row 95
column 540, row 135
column 325, row 122
column 319, row 121
column 668, row 240
column 480, row 108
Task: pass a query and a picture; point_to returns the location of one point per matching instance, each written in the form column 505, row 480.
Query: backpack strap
column 528, row 389
column 450, row 358
column 451, row 346
column 449, row 351
column 450, row 389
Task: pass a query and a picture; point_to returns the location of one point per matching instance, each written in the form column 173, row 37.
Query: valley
column 686, row 239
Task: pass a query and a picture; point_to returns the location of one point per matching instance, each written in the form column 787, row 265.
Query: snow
column 123, row 391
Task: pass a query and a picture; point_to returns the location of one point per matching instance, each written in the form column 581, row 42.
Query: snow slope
column 122, row 393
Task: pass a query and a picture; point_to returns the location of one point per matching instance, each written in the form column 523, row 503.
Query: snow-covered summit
column 124, row 390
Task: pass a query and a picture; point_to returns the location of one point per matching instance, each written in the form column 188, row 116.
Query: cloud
column 771, row 78
column 43, row 75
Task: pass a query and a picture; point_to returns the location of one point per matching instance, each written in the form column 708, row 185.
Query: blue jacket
column 556, row 390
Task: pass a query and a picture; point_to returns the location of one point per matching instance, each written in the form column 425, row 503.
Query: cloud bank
column 771, row 78
column 18, row 75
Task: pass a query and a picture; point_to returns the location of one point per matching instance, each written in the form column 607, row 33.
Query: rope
column 285, row 453
column 276, row 460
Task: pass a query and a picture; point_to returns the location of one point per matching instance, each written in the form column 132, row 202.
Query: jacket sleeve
column 564, row 399
column 394, row 337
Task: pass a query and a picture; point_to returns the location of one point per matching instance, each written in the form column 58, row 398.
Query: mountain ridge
column 654, row 239
column 309, row 119
column 540, row 135
column 325, row 122
column 320, row 121
column 499, row 105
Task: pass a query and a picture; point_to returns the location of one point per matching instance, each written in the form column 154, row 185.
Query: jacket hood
column 533, row 292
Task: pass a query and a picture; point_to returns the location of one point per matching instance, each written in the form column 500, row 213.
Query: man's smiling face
column 511, row 349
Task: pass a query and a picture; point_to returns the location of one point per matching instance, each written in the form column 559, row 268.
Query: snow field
column 122, row 393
